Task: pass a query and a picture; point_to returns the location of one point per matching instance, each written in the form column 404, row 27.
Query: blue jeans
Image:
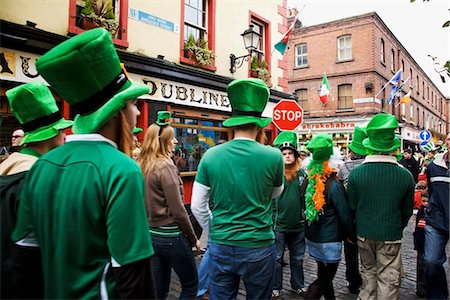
column 296, row 245
column 436, row 280
column 176, row 253
column 228, row 264
column 203, row 274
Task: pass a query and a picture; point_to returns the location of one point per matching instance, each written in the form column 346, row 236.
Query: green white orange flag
column 406, row 99
column 324, row 89
column 282, row 44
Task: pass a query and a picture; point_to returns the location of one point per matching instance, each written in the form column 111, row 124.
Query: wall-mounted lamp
column 251, row 43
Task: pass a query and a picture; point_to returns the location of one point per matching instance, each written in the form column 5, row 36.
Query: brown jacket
column 164, row 199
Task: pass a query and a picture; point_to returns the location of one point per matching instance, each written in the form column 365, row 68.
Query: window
column 423, row 90
column 403, row 65
column 262, row 26
column 345, row 98
column 301, row 55
column 78, row 24
column 418, row 116
column 417, row 84
column 302, row 95
column 403, row 110
column 345, row 47
column 410, row 75
column 392, row 60
column 382, row 55
column 198, row 20
column 411, row 112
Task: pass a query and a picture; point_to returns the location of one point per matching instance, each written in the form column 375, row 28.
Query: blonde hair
column 155, row 147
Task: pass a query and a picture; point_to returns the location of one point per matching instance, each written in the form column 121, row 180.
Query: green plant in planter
column 261, row 69
column 101, row 12
column 199, row 51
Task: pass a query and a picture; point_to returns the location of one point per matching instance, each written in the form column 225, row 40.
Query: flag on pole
column 406, row 99
column 324, row 89
column 282, row 44
column 394, row 81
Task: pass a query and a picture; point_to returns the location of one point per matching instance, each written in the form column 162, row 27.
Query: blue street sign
column 425, row 135
column 422, row 144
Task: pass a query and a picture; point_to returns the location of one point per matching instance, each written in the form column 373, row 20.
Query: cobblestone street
column 408, row 284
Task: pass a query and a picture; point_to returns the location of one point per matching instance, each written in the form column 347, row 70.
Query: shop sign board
column 287, row 114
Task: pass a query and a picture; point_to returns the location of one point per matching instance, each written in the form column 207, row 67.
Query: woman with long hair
column 172, row 234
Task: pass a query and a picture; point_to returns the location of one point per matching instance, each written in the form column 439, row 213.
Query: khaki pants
column 381, row 269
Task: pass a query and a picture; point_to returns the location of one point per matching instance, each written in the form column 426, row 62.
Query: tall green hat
column 359, row 134
column 381, row 134
column 286, row 140
column 321, row 147
column 248, row 99
column 85, row 70
column 163, row 118
column 34, row 106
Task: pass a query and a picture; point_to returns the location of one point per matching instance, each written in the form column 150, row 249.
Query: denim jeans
column 203, row 274
column 176, row 253
column 436, row 280
column 296, row 245
column 228, row 264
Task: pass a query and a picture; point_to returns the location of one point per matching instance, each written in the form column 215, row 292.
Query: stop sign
column 287, row 115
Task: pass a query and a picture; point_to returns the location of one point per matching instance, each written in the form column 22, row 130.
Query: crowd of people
column 97, row 214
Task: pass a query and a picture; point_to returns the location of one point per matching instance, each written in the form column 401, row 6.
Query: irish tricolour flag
column 324, row 89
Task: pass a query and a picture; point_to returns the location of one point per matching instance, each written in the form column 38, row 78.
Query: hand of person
column 350, row 241
column 197, row 245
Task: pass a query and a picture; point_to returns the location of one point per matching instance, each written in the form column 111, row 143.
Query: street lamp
column 251, row 43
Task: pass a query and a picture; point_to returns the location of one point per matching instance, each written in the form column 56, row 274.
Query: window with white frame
column 411, row 112
column 344, row 47
column 195, row 19
column 301, row 55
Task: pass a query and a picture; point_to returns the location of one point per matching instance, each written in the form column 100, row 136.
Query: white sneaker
column 300, row 291
column 275, row 294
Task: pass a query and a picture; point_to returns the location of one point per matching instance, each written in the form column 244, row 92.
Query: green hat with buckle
column 248, row 99
column 381, row 134
column 359, row 134
column 35, row 107
column 85, row 70
column 321, row 147
column 286, row 140
column 163, row 118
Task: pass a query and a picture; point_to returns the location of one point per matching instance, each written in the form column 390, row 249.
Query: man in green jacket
column 381, row 196
column 35, row 108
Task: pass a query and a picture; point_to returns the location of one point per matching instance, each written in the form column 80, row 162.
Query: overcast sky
column 418, row 25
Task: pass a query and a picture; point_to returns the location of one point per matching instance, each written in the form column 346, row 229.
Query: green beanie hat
column 381, row 134
column 286, row 140
column 85, row 70
column 359, row 134
column 248, row 98
column 321, row 147
column 35, row 107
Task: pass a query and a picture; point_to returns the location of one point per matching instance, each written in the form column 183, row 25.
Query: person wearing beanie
column 381, row 197
column 172, row 234
column 357, row 155
column 328, row 216
column 242, row 184
column 35, row 108
column 91, row 227
column 437, row 228
column 289, row 217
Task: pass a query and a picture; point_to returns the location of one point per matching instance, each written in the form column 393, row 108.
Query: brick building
column 359, row 56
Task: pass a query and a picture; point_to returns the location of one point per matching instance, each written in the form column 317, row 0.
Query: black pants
column 352, row 265
column 323, row 285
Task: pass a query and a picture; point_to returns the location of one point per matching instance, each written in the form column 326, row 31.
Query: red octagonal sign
column 287, row 114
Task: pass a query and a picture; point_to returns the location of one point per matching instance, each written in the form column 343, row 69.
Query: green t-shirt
column 85, row 203
column 241, row 175
column 288, row 209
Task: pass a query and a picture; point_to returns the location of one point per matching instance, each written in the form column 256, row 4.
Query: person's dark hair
column 408, row 150
column 355, row 156
column 424, row 193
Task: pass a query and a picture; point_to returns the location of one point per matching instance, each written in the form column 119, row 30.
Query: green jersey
column 84, row 201
column 241, row 174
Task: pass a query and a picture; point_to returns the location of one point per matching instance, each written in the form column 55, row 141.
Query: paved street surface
column 408, row 284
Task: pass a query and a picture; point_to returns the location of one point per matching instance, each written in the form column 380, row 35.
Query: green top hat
column 381, row 134
column 359, row 134
column 321, row 147
column 35, row 108
column 85, row 70
column 137, row 130
column 286, row 140
column 163, row 118
column 248, row 99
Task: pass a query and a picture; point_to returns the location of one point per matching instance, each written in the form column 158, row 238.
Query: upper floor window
column 403, row 66
column 417, row 84
column 345, row 98
column 303, row 99
column 392, row 60
column 113, row 16
column 344, row 47
column 198, row 27
column 301, row 55
column 382, row 55
column 261, row 57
